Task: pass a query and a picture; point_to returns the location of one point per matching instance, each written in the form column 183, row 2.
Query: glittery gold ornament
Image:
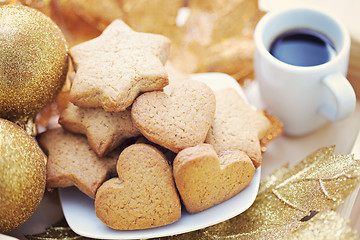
column 326, row 225
column 33, row 62
column 22, row 175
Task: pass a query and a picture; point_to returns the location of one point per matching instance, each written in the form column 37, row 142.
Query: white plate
column 79, row 209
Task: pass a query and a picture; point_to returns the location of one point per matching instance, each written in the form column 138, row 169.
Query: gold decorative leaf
column 288, row 196
column 339, row 165
column 267, row 218
column 308, row 165
column 339, row 189
column 327, row 225
column 274, row 179
column 305, row 195
column 322, row 185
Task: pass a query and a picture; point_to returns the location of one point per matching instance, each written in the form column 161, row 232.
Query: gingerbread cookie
column 104, row 130
column 112, row 69
column 144, row 194
column 205, row 179
column 178, row 120
column 237, row 125
column 71, row 162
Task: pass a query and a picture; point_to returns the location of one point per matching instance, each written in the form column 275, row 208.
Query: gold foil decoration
column 267, row 218
column 226, row 40
column 216, row 37
column 273, row 216
column 273, row 179
column 330, row 178
column 327, row 225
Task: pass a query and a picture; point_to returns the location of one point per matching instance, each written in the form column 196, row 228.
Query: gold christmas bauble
column 33, row 62
column 22, row 175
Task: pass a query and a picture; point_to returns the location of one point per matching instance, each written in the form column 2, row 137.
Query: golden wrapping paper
column 216, row 37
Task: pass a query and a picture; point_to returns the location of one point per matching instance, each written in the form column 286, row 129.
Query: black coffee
column 302, row 47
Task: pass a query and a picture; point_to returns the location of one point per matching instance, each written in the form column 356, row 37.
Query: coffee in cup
column 301, row 60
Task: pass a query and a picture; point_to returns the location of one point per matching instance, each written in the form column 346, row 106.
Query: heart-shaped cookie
column 178, row 120
column 205, row 179
column 143, row 195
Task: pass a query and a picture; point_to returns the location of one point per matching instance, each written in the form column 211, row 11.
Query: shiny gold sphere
column 33, row 62
column 22, row 175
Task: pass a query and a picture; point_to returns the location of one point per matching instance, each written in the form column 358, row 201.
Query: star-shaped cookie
column 104, row 130
column 112, row 69
column 71, row 162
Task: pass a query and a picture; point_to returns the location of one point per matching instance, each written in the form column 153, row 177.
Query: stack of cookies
column 141, row 140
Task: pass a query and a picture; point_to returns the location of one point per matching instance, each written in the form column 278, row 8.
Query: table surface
column 282, row 150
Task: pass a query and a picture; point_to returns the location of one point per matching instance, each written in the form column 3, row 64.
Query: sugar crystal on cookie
column 112, row 69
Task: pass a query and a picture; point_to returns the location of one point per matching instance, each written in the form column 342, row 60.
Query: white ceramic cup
column 304, row 98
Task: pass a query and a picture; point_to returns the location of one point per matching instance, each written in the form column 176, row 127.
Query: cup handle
column 344, row 98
